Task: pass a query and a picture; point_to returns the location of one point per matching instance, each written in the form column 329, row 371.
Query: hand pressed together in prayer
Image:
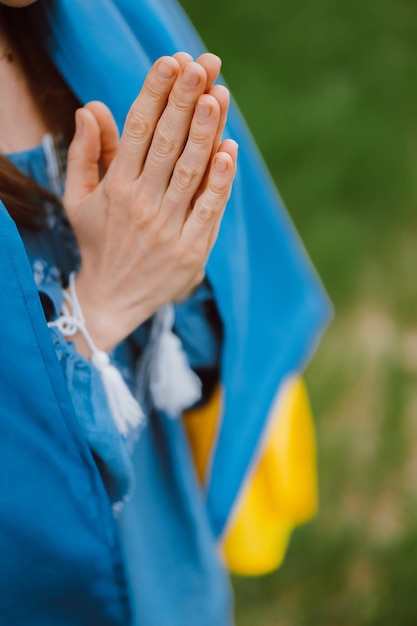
column 146, row 210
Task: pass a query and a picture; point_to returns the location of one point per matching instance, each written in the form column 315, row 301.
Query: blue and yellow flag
column 270, row 299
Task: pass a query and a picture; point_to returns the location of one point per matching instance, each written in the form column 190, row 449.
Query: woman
column 143, row 215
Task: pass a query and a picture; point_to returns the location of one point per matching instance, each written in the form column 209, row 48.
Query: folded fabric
column 270, row 299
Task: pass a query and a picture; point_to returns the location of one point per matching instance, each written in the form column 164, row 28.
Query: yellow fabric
column 201, row 426
column 281, row 492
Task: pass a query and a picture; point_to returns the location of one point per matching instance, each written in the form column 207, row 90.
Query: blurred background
column 329, row 91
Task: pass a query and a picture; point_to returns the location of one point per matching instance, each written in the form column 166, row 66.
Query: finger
column 143, row 118
column 201, row 226
column 222, row 95
column 182, row 58
column 231, row 147
column 173, row 127
column 83, row 161
column 212, row 64
column 192, row 164
column 109, row 133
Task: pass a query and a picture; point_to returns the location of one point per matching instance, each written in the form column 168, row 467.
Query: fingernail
column 165, row 70
column 220, row 166
column 190, row 78
column 203, row 111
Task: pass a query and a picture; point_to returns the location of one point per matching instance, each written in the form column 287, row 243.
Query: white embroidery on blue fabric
column 44, row 273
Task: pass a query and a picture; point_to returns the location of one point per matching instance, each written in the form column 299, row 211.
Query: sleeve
column 90, row 403
column 199, row 327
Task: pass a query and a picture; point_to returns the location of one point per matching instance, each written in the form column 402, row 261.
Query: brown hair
column 24, row 199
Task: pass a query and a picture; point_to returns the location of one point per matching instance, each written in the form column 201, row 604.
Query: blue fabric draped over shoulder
column 61, row 559
column 270, row 299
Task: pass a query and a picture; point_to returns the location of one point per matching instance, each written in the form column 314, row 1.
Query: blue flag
column 58, row 535
column 270, row 299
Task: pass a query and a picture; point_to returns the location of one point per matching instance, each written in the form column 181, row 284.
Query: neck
column 21, row 125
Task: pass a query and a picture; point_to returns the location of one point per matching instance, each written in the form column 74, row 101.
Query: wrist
column 108, row 322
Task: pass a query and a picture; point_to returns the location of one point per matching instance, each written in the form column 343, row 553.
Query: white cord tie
column 125, row 409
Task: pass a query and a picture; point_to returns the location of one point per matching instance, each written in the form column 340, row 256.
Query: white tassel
column 173, row 384
column 126, row 411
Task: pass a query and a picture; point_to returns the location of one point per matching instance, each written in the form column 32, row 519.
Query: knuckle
column 142, row 221
column 200, row 136
column 141, row 210
column 219, row 188
column 152, row 90
column 184, row 176
column 137, row 127
column 205, row 214
column 163, row 144
column 180, row 102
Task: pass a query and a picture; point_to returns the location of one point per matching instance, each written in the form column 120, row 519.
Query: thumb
column 109, row 133
column 83, row 161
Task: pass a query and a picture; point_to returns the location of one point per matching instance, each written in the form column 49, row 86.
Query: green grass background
column 329, row 90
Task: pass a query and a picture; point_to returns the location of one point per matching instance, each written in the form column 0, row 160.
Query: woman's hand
column 146, row 227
